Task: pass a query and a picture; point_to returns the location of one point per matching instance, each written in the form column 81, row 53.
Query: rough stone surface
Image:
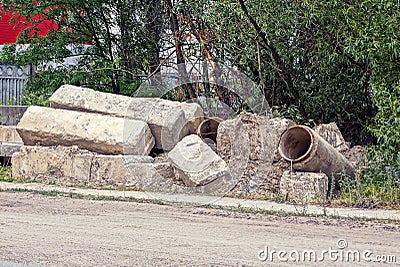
column 195, row 163
column 249, row 142
column 95, row 132
column 9, row 134
column 73, row 167
column 304, row 186
column 169, row 121
column 331, row 133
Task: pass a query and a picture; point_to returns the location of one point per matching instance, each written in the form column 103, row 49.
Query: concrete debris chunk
column 195, row 162
column 250, row 142
column 331, row 133
column 95, row 132
column 169, row 121
column 304, row 186
column 74, row 166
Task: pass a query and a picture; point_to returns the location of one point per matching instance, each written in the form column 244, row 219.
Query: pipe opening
column 295, row 143
column 208, row 128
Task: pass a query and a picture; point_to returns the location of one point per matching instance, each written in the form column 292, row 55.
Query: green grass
column 364, row 192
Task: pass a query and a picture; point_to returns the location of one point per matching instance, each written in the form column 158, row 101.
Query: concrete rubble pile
column 90, row 138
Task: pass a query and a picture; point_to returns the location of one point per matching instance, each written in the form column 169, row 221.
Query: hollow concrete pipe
column 208, row 128
column 310, row 152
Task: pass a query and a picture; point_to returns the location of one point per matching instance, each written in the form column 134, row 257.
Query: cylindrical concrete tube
column 310, row 152
column 208, row 128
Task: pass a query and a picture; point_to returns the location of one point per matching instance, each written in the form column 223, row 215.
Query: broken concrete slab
column 248, row 144
column 195, row 163
column 331, row 133
column 304, row 186
column 357, row 155
column 95, row 132
column 259, row 129
column 193, row 114
column 9, row 134
column 169, row 121
column 72, row 166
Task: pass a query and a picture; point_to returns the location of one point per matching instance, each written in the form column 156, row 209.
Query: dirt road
column 56, row 231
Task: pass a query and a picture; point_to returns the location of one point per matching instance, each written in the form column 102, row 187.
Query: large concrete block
column 304, row 186
column 95, row 132
column 169, row 121
column 195, row 162
column 249, row 144
column 76, row 167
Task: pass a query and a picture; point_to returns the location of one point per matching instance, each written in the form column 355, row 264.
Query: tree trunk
column 180, row 59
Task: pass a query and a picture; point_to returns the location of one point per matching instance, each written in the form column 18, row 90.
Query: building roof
column 10, row 30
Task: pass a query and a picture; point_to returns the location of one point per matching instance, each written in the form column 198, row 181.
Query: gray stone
column 169, row 121
column 9, row 134
column 10, row 115
column 249, row 144
column 195, row 163
column 95, row 132
column 76, row 167
column 8, row 149
column 331, row 133
column 304, row 186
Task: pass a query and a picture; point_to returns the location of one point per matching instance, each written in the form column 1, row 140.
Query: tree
column 124, row 37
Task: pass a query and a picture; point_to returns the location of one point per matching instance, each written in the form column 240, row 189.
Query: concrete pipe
column 208, row 128
column 310, row 152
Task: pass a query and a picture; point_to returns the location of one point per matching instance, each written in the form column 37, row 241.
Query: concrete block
column 169, row 121
column 304, row 186
column 248, row 144
column 331, row 133
column 95, row 132
column 195, row 162
column 76, row 167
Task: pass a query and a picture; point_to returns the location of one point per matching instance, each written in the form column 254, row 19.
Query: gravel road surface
column 37, row 230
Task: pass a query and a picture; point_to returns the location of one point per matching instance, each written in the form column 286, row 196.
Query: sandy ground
column 38, row 230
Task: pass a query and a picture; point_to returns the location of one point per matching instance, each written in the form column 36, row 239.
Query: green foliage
column 368, row 192
column 304, row 65
column 385, row 155
column 124, row 38
column 5, row 172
